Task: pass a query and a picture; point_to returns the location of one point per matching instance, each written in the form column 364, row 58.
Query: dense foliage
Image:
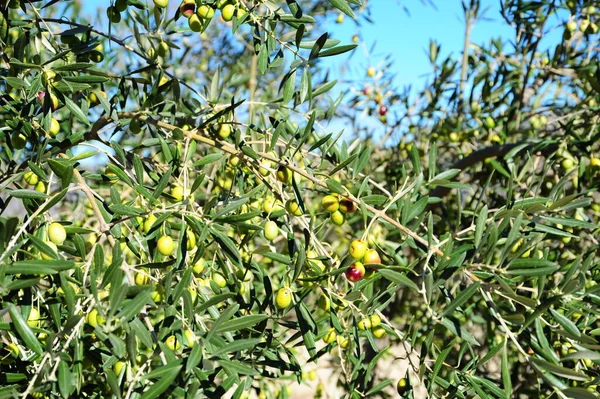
column 178, row 219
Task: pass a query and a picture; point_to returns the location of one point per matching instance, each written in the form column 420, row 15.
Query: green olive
column 271, row 230
column 330, row 203
column 284, row 297
column 358, row 249
column 165, row 245
column 57, row 233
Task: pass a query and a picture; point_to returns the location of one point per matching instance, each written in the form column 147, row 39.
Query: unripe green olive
column 94, row 99
column 163, row 49
column 190, row 337
column 30, row 178
column 165, row 245
column 142, row 277
column 293, row 207
column 57, row 233
column 135, row 126
column 96, row 56
column 158, row 294
column 113, row 15
column 199, row 266
column 338, row 218
column 343, row 342
column 41, row 187
column 585, row 24
column 375, row 321
column 13, row 349
column 119, row 366
column 224, row 130
column 284, row 175
column 18, row 140
column 358, row 249
column 378, row 332
column 364, row 324
column 149, row 222
column 177, row 193
column 284, row 297
column 54, row 128
column 330, row 336
column 324, row 302
column 121, row 5
column 234, row 161
column 191, row 240
column 219, row 280
column 205, row 12
column 271, row 230
column 161, row 3
column 330, row 203
column 172, row 343
column 94, row 319
column 227, row 12
column 567, row 163
column 53, row 247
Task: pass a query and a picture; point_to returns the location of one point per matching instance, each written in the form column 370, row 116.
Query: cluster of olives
column 377, row 97
column 55, row 235
column 338, row 207
column 372, row 323
column 587, row 26
column 114, row 12
column 362, row 254
column 19, row 138
column 199, row 14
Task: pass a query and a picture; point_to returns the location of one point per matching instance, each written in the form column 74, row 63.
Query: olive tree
column 178, row 219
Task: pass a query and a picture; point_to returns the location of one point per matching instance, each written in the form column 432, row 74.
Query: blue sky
column 406, row 36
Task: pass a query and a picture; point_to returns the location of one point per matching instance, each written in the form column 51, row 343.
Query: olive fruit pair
column 360, row 251
column 374, row 324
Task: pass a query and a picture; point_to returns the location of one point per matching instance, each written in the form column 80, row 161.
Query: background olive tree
column 189, row 223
